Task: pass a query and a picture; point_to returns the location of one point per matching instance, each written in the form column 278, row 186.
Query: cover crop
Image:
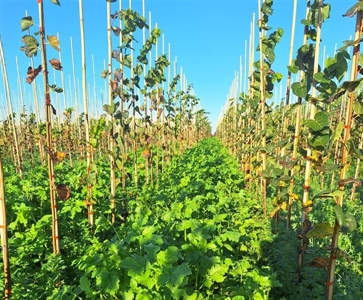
column 196, row 235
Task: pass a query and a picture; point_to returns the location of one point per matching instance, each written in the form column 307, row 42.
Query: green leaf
column 266, row 8
column 135, row 264
column 58, row 90
column 354, row 9
column 319, row 140
column 319, row 77
column 104, row 74
column 320, row 230
column 231, row 236
column 339, row 215
column 31, row 45
column 56, row 2
column 215, row 274
column 322, row 118
column 338, row 131
column 312, row 124
column 358, row 107
column 138, row 69
column 326, row 11
column 126, row 61
column 320, row 122
column 108, row 281
column 111, row 109
column 174, row 275
column 293, row 68
column 85, row 284
column 346, row 221
column 169, row 256
column 26, row 23
column 350, row 86
column 300, row 89
column 151, row 251
column 350, row 222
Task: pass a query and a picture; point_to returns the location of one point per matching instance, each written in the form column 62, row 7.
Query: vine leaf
column 32, row 73
column 320, row 230
column 53, row 41
column 56, row 2
column 300, row 89
column 116, row 30
column 320, row 122
column 53, row 87
column 354, row 9
column 319, row 262
column 26, row 23
column 31, row 45
column 329, row 194
column 63, row 192
column 346, row 220
column 56, row 64
column 104, row 74
column 54, row 111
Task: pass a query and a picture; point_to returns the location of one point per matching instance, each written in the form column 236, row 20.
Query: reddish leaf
column 32, row 73
column 319, row 262
column 56, row 64
column 63, row 192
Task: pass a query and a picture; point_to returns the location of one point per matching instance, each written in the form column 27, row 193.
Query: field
column 143, row 201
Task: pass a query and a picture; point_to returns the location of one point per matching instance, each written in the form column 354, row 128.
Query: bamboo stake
column 134, row 113
column 145, row 97
column 94, row 88
column 111, row 119
column 48, row 112
column 357, row 170
column 163, row 138
column 297, row 125
column 150, row 129
column 344, row 169
column 288, row 83
column 123, row 136
column 23, row 130
column 8, row 97
column 62, row 80
column 57, row 103
column 156, row 121
column 263, row 115
column 89, row 147
column 21, row 97
column 312, row 111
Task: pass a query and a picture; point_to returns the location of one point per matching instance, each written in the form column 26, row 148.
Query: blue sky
column 207, row 36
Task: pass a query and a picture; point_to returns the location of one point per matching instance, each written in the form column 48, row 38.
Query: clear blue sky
column 207, row 36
